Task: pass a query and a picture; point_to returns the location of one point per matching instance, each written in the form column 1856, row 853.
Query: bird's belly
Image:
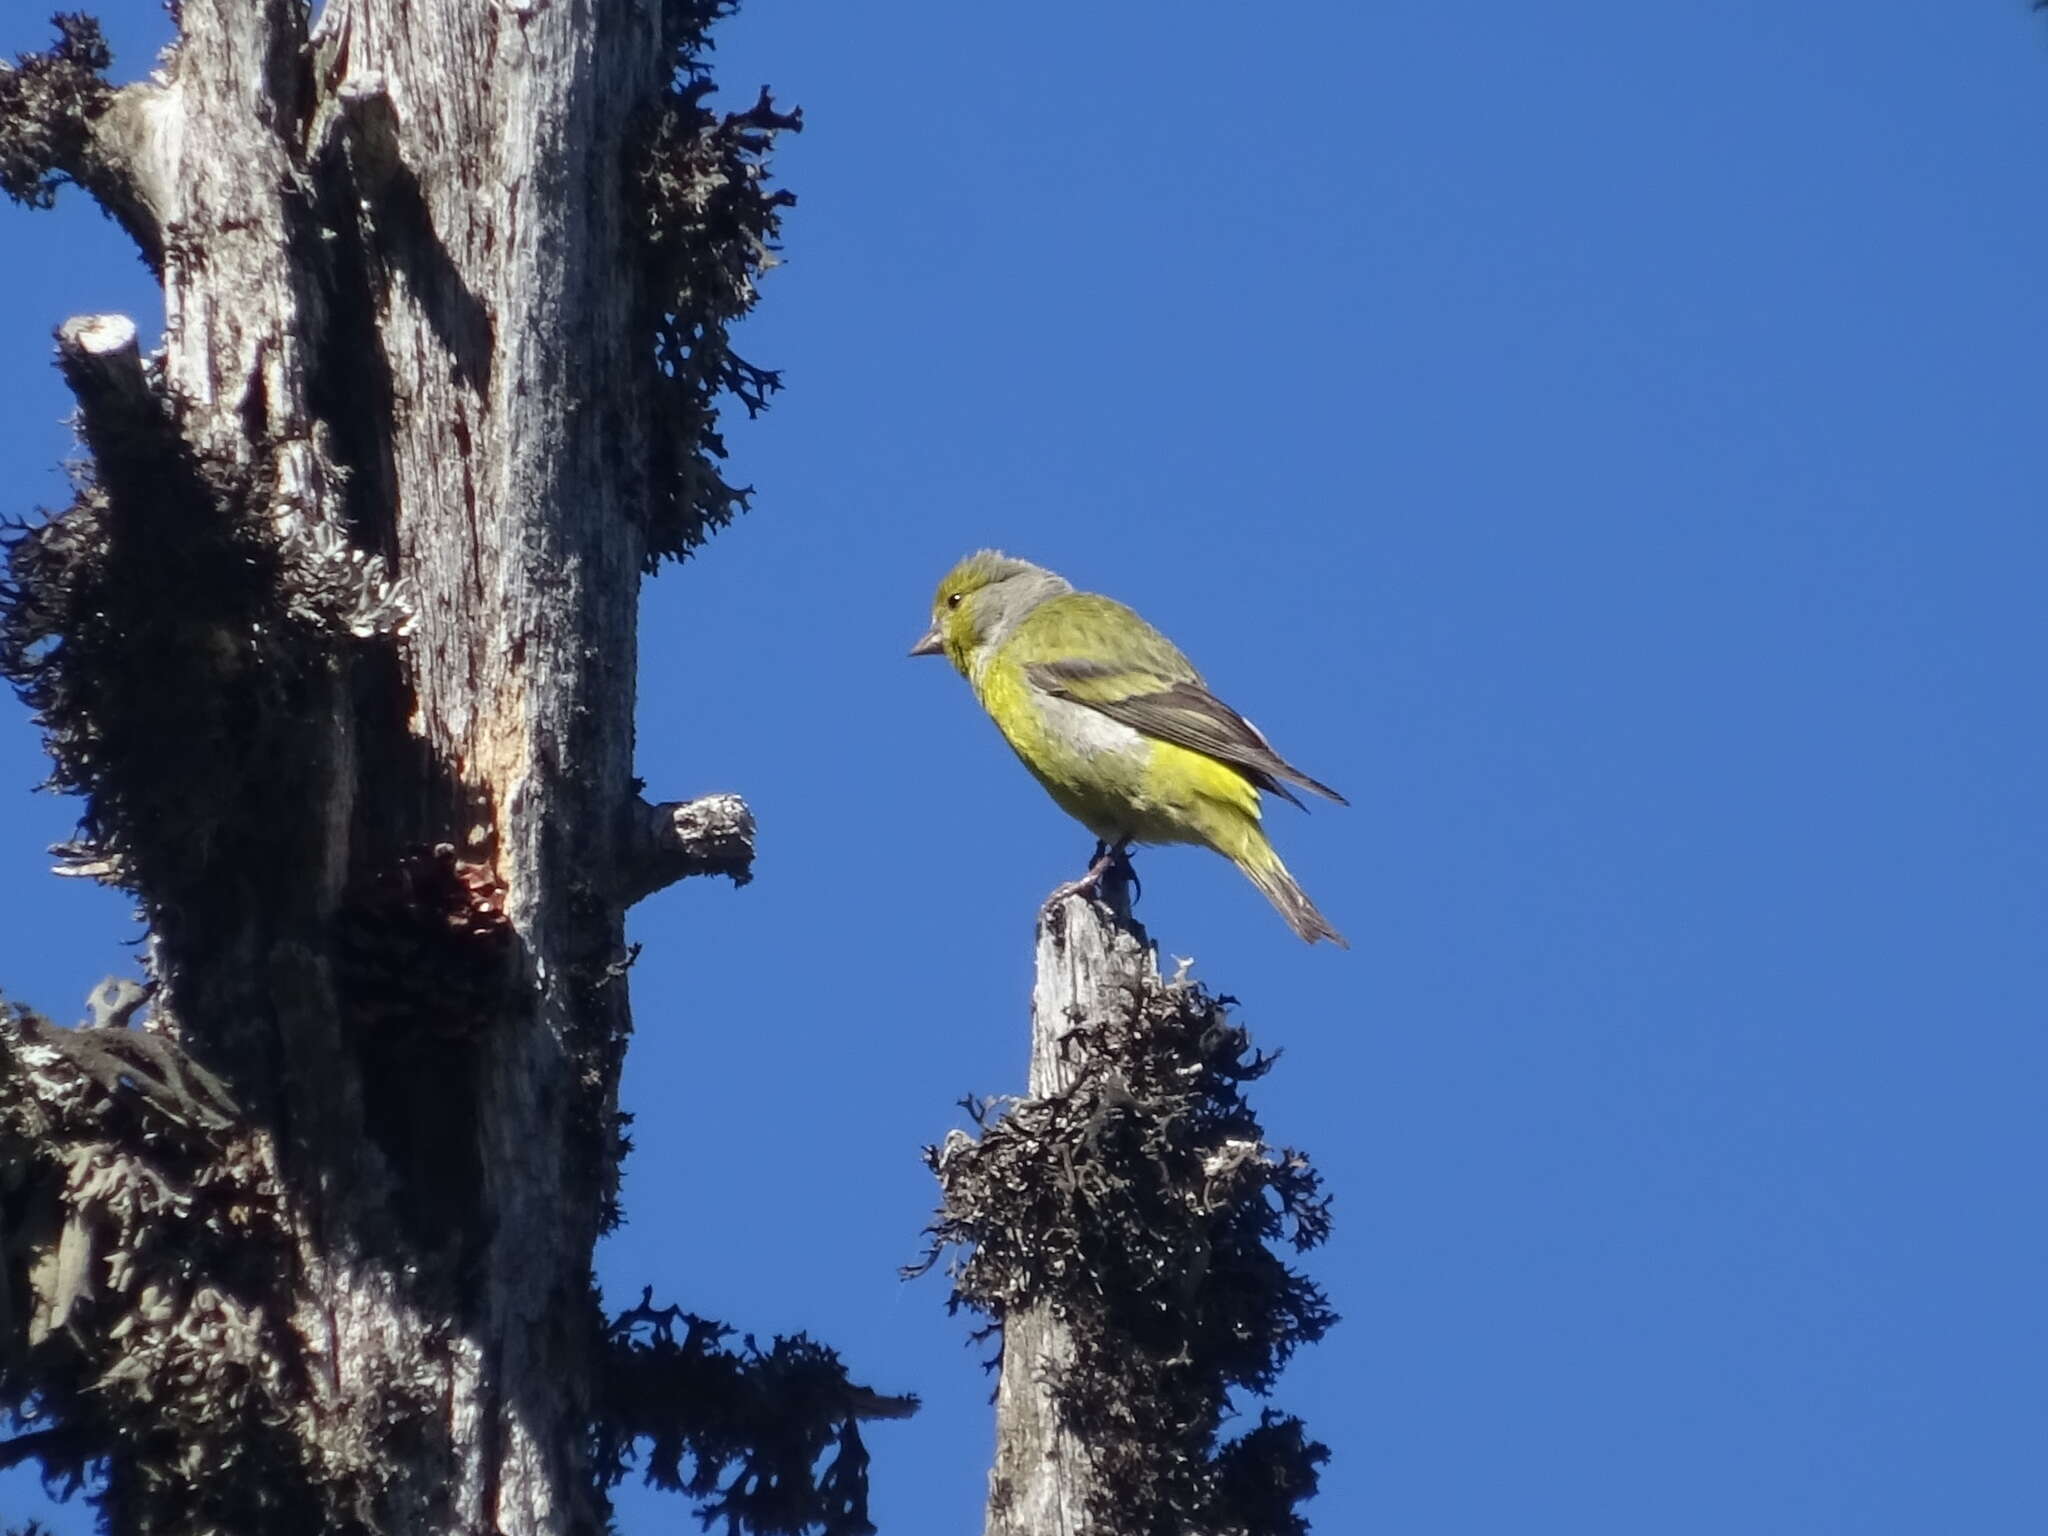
column 1118, row 782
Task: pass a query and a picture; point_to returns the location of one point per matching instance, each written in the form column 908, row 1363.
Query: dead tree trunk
column 338, row 645
column 1045, row 1478
column 1117, row 1225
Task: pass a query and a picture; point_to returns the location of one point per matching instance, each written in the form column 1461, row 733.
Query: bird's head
column 980, row 601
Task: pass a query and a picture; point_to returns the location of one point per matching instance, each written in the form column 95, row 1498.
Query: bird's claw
column 1109, row 863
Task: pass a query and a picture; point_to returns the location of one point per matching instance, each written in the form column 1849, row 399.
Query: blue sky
column 1604, row 440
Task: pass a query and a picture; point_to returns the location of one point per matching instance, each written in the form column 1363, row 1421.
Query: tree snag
column 1116, row 1226
column 336, row 642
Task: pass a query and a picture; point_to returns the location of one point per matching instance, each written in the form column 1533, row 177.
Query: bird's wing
column 1152, row 688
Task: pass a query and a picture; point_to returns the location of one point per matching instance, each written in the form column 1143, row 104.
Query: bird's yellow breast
column 1112, row 779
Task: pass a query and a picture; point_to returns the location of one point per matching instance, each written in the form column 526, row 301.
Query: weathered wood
column 102, row 362
column 712, row 835
column 1119, row 1227
column 1090, row 959
column 345, row 665
column 488, row 326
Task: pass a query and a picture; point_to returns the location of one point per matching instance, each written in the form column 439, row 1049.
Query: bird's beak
column 930, row 644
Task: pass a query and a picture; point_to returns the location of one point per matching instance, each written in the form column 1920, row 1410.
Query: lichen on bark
column 53, row 105
column 1140, row 1207
column 706, row 227
column 336, row 644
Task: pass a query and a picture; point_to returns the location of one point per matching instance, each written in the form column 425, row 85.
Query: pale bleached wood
column 403, row 323
column 711, row 835
column 503, row 321
column 102, row 362
column 1089, row 960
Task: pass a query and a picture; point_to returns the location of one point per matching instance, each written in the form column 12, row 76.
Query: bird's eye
column 954, row 600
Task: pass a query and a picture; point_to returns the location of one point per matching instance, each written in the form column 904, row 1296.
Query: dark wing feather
column 1184, row 713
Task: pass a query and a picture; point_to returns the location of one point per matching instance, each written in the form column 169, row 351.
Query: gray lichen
column 767, row 1440
column 706, row 228
column 51, row 107
column 153, row 634
column 202, row 1219
column 48, row 104
column 141, row 1239
column 1143, row 1206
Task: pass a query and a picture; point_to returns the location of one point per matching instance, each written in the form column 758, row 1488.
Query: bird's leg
column 1085, row 886
column 1107, row 860
column 1121, row 868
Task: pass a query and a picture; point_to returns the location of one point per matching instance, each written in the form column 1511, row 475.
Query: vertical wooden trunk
column 393, row 261
column 1045, row 1478
column 389, row 489
column 1121, row 1226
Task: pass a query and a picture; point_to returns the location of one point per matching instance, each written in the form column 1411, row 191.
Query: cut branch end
column 712, row 835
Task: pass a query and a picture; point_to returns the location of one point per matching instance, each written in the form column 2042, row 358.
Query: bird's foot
column 1111, row 864
column 1121, row 869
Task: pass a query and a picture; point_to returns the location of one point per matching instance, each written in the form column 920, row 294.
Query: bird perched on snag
column 1116, row 723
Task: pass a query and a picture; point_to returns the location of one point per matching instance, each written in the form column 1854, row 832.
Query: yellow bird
column 1115, row 723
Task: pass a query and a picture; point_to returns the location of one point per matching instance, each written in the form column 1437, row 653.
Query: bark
column 1118, row 1227
column 338, row 644
column 1044, row 1478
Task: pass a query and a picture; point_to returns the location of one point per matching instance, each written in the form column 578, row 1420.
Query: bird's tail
column 1262, row 864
